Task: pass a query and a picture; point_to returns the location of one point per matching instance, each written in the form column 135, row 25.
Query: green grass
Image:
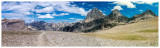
column 119, row 36
column 132, row 37
column 149, row 30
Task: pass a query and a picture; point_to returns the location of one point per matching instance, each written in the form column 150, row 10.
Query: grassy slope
column 146, row 30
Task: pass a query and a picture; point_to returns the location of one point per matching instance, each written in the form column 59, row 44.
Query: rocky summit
column 116, row 16
column 13, row 24
column 145, row 15
column 93, row 14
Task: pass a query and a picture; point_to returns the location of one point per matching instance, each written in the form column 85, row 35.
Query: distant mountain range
column 95, row 20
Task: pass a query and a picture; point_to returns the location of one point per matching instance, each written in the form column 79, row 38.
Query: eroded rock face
column 13, row 24
column 145, row 15
column 116, row 16
column 93, row 14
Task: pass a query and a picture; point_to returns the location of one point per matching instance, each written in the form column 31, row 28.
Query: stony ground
column 56, row 38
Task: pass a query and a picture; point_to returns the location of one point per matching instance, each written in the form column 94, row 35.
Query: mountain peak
column 95, row 8
column 149, row 12
column 116, row 10
column 93, row 14
column 116, row 16
column 145, row 15
column 115, row 13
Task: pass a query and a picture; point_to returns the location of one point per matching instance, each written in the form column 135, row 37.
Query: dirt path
column 40, row 39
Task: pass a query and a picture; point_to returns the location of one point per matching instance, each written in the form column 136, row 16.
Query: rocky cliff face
column 93, row 14
column 145, row 15
column 13, row 24
column 116, row 16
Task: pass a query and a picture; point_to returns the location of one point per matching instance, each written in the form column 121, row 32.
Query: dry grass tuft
column 149, row 30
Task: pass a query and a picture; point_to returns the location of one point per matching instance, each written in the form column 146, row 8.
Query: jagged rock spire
column 114, row 14
column 93, row 14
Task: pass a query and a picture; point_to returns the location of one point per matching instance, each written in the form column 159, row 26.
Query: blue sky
column 70, row 11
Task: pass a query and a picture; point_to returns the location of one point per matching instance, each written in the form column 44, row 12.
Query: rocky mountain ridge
column 99, row 22
column 95, row 20
column 145, row 15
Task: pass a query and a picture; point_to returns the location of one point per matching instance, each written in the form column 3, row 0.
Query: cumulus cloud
column 27, row 8
column 117, row 7
column 129, row 4
column 23, row 8
column 145, row 2
column 62, row 14
column 71, row 18
column 12, row 14
column 45, row 10
column 45, row 16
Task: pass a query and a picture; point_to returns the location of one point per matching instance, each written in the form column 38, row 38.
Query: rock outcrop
column 13, row 24
column 145, row 15
column 93, row 15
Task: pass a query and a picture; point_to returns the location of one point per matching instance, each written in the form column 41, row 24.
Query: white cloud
column 104, row 14
column 117, row 7
column 12, row 14
column 22, row 8
column 62, row 14
column 75, row 10
column 83, row 3
column 145, row 2
column 45, row 16
column 27, row 7
column 125, row 3
column 71, row 18
column 141, row 10
column 78, row 20
column 45, row 10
